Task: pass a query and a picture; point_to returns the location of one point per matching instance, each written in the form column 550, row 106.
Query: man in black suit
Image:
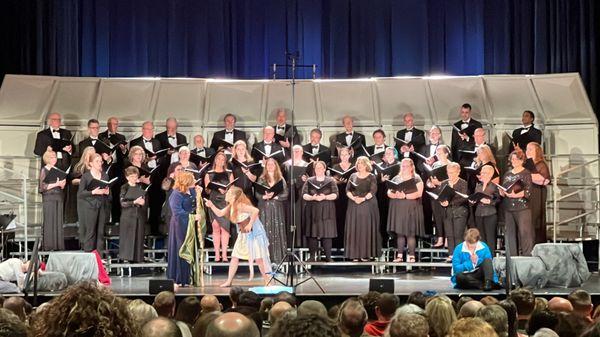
column 526, row 134
column 156, row 195
column 230, row 134
column 349, row 138
column 268, row 147
column 413, row 136
column 284, row 130
column 112, row 137
column 462, row 133
column 93, row 137
column 171, row 139
column 376, row 151
column 321, row 152
column 200, row 149
column 43, row 141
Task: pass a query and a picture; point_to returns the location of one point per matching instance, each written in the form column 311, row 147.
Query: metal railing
column 19, row 200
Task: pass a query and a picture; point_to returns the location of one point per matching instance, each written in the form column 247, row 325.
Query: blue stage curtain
column 345, row 38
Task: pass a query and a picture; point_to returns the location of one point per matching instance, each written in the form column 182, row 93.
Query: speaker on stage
column 382, row 285
column 156, row 286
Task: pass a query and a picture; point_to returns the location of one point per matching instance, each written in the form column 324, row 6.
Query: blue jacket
column 461, row 259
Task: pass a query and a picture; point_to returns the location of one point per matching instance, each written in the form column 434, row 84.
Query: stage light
column 438, row 77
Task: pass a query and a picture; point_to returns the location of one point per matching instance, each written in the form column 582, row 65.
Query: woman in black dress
column 405, row 217
column 299, row 177
column 540, row 177
column 442, row 154
column 271, row 209
column 456, row 210
column 93, row 211
column 134, row 216
column 245, row 176
column 72, row 203
column 341, row 204
column 221, row 227
column 362, row 239
column 52, row 205
column 319, row 193
column 516, row 207
column 387, row 169
column 486, row 217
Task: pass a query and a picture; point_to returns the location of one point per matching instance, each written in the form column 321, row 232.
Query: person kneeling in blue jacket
column 472, row 264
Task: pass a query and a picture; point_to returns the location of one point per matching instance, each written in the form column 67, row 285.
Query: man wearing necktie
column 230, row 134
column 200, row 149
column 93, row 138
column 463, row 139
column 268, row 147
column 170, row 138
column 282, row 129
column 526, row 134
column 315, row 147
column 43, row 141
column 413, row 136
column 377, row 150
column 349, row 137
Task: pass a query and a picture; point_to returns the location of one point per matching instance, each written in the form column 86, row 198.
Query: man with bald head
column 278, row 310
column 559, row 304
column 210, row 303
column 44, row 141
column 172, row 140
column 268, row 148
column 17, row 306
column 161, row 327
column 284, row 135
column 469, row 309
column 312, row 307
column 349, row 138
column 232, row 324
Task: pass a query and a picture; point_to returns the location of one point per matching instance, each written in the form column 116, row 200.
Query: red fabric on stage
column 102, row 274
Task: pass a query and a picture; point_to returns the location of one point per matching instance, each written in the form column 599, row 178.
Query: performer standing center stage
column 252, row 242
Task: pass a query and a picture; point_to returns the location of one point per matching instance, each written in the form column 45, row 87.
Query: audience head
column 369, row 301
column 141, row 312
column 470, row 309
column 581, row 302
column 201, row 325
column 524, row 300
column 559, row 304
column 266, row 304
column 489, row 300
column 545, row 332
column 232, row 324
column 386, row 306
column 352, row 317
column 592, row 331
column 495, row 316
column 210, row 303
column 249, row 299
column 164, row 303
column 408, row 325
column 17, row 306
column 511, row 313
column 540, row 304
column 305, row 326
column 11, row 325
column 278, row 310
column 311, row 307
column 410, row 309
column 188, row 310
column 440, row 314
column 161, row 327
column 86, row 309
column 417, row 298
column 333, row 312
column 542, row 319
column 471, row 327
column 571, row 325
column 463, row 299
column 286, row 297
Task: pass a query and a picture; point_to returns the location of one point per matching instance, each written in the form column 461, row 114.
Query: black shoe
column 487, row 285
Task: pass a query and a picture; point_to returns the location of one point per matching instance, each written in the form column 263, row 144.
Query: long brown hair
column 183, row 181
column 539, row 153
column 235, row 197
column 214, row 164
column 85, row 160
column 277, row 174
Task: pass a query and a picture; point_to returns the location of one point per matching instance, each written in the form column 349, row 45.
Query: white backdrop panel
column 340, row 98
column 563, row 98
column 23, row 99
column 241, row 98
column 76, row 98
column 182, row 99
column 509, row 96
column 450, row 93
column 305, row 107
column 129, row 99
column 397, row 96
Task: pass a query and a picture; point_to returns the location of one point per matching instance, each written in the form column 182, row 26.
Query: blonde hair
column 237, row 144
column 471, row 327
column 85, row 160
column 412, row 166
column 365, row 161
column 214, row 163
column 539, row 152
column 46, row 156
column 486, row 152
column 440, row 314
column 276, row 175
column 472, row 235
column 183, row 181
column 134, row 150
column 235, row 197
column 453, row 165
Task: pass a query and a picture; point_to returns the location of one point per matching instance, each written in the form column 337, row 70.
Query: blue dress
column 182, row 205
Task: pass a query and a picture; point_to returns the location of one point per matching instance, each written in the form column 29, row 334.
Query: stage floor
column 337, row 284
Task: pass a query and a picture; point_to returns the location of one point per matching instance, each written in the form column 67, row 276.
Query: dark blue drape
column 345, row 38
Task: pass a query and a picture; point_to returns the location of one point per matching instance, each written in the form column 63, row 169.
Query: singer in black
column 540, row 177
column 44, row 140
column 93, row 211
column 134, row 215
column 349, row 138
column 441, row 159
column 405, row 217
column 221, row 226
column 230, row 134
column 52, row 205
column 319, row 193
column 456, row 211
column 341, row 204
column 462, row 135
column 245, row 175
column 385, row 170
column 362, row 240
column 298, row 166
column 486, row 214
column 525, row 134
column 517, row 210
